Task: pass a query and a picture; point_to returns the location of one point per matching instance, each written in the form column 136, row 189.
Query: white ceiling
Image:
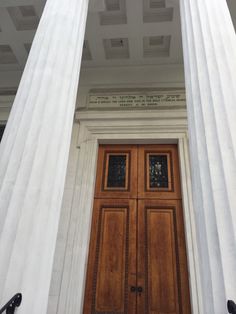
column 18, row 23
column 134, row 32
column 128, row 32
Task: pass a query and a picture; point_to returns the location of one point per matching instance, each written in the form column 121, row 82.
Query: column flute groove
column 32, row 123
column 211, row 97
column 24, row 91
column 34, row 154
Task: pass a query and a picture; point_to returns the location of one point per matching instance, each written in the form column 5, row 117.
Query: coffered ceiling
column 126, row 32
column 18, row 23
column 133, row 32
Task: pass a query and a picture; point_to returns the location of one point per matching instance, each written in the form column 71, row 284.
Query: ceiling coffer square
column 27, row 11
column 112, row 5
column 155, row 11
column 24, row 17
column 156, row 40
column 153, row 4
column 117, row 43
column 156, row 46
column 115, row 13
column 116, row 48
column 6, row 55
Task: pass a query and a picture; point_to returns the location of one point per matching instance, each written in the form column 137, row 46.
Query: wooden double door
column 137, row 258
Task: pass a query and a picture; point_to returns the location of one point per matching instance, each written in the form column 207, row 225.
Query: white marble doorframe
column 150, row 127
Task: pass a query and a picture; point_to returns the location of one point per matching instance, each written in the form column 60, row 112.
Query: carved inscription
column 136, row 101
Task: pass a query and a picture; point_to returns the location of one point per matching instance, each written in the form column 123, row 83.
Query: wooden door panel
column 110, row 269
column 161, row 261
column 158, row 172
column 162, row 264
column 137, row 234
column 112, row 259
column 117, row 172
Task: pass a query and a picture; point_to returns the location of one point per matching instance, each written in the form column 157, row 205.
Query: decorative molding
column 117, row 127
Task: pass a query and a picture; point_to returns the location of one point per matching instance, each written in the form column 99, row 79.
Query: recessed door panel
column 112, row 260
column 162, row 263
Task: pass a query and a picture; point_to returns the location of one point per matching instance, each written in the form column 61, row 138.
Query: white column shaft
column 34, row 154
column 209, row 43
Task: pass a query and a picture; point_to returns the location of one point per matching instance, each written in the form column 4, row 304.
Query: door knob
column 140, row 289
column 136, row 289
column 133, row 289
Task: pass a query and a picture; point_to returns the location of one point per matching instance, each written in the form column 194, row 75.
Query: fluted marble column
column 34, row 155
column 209, row 43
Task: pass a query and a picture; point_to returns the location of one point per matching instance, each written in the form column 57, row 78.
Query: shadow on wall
column 2, row 128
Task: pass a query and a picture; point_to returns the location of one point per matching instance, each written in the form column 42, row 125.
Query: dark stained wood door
column 137, row 258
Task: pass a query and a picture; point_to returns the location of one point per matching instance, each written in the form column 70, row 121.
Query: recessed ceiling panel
column 27, row 11
column 24, row 17
column 156, row 46
column 153, row 4
column 112, row 5
column 116, row 48
column 156, row 11
column 115, row 13
column 6, row 55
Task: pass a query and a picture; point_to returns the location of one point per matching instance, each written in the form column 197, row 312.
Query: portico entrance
column 137, row 259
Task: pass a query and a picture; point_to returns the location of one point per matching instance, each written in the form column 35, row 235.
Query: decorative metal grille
column 116, row 171
column 158, row 171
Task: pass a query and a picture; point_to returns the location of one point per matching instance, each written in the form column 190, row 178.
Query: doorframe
column 122, row 127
